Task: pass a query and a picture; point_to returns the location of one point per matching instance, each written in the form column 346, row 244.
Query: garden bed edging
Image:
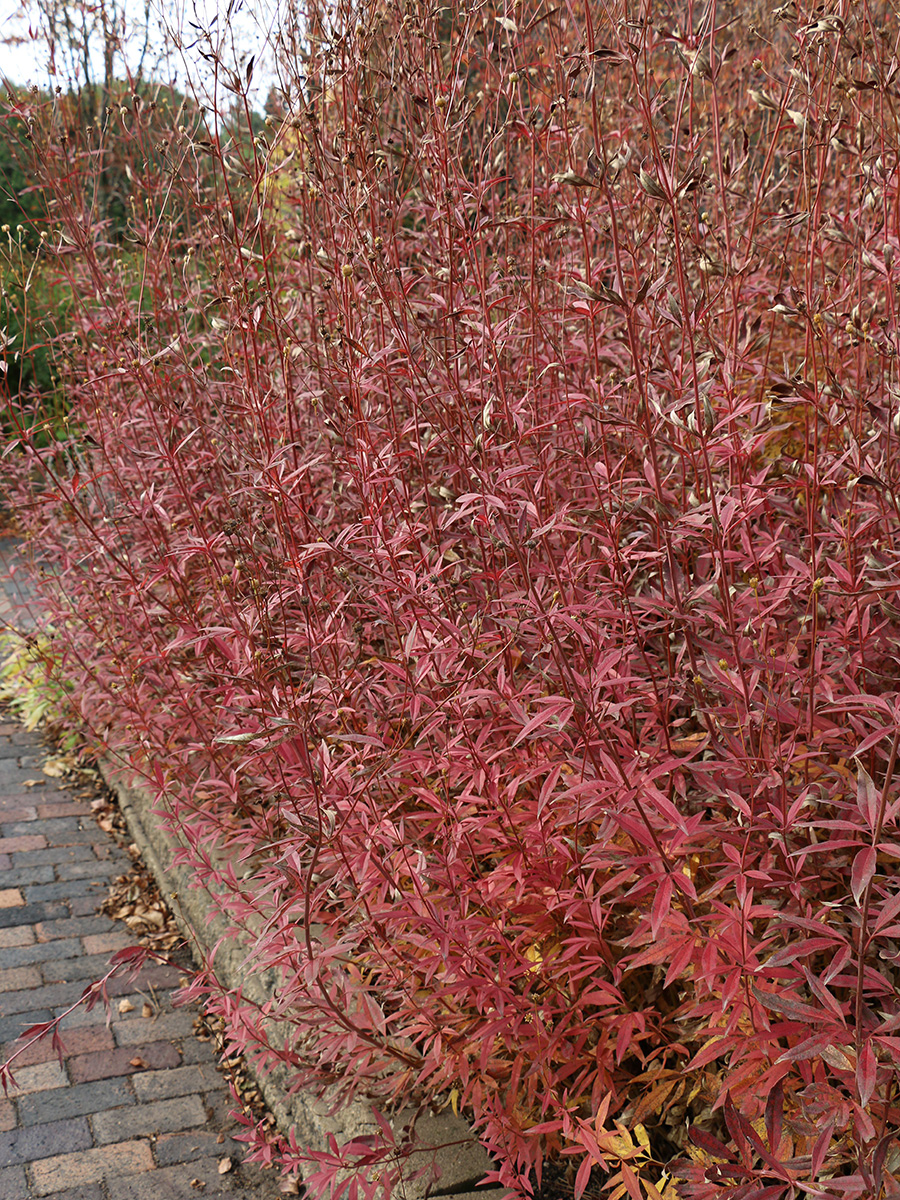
column 459, row 1166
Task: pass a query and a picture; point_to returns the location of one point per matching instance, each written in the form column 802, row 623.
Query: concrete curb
column 459, row 1160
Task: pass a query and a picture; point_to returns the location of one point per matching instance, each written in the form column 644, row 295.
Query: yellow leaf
column 534, row 956
column 619, row 1143
column 665, row 1191
column 669, row 1191
column 454, row 1101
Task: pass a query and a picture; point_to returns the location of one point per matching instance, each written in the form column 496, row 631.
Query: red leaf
column 774, row 1114
column 866, row 797
column 878, row 1159
column 805, row 1050
column 549, row 714
column 737, row 1124
column 40, row 1030
column 866, row 1074
column 631, row 1182
column 837, row 964
column 712, row 1145
column 823, row 995
column 680, row 960
column 788, row 954
column 583, row 1177
column 660, row 908
column 888, row 911
column 820, row 1150
column 863, row 869
column 785, row 1004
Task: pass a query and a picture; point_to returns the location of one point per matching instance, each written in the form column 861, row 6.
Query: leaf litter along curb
column 135, row 899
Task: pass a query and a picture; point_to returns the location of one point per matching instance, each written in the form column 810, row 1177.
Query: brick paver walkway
column 16, row 591
column 137, row 1110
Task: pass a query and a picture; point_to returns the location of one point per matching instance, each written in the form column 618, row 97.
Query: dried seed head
column 762, row 99
column 620, row 159
column 650, row 185
column 709, row 265
column 700, row 65
column 572, row 178
column 709, row 416
column 801, row 121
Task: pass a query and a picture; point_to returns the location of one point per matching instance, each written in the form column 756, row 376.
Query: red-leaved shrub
column 480, row 514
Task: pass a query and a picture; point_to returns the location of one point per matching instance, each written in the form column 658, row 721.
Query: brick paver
column 137, row 1108
column 15, row 591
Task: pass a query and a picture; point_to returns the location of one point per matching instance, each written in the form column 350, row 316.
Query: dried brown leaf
column 650, row 1104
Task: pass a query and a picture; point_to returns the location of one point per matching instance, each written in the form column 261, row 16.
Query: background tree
column 26, row 288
